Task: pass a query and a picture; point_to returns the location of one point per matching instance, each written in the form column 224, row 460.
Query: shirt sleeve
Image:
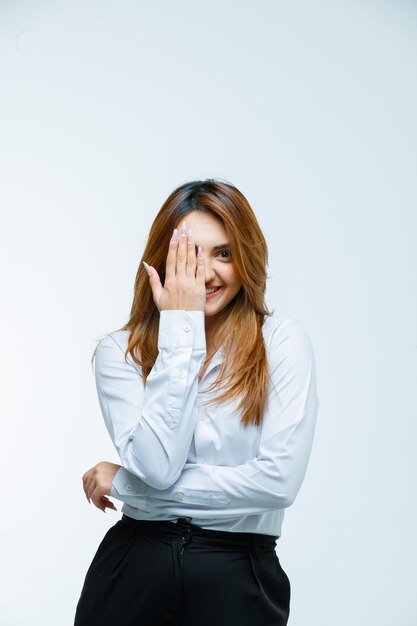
column 272, row 479
column 152, row 426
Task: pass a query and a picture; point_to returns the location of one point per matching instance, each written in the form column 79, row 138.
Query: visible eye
column 227, row 258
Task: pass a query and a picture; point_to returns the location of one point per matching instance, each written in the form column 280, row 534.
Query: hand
column 97, row 483
column 184, row 286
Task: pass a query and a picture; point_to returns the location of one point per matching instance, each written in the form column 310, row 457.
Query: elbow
column 155, row 474
column 285, row 497
column 156, row 480
column 289, row 496
column 279, row 500
column 287, row 500
column 159, row 482
column 156, row 470
column 161, row 479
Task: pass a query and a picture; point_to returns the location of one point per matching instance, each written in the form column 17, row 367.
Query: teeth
column 212, row 290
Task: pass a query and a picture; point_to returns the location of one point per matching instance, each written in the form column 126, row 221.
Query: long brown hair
column 244, row 372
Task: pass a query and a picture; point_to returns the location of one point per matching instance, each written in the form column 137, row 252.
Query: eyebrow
column 221, row 246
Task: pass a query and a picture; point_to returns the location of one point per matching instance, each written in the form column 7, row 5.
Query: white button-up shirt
column 181, row 458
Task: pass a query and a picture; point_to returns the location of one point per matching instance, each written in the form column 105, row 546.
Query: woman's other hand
column 184, row 287
column 97, row 482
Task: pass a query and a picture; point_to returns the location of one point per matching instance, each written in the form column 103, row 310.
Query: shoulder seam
column 132, row 363
column 117, row 344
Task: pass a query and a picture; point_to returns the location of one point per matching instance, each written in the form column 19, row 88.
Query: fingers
column 186, row 257
column 171, row 262
column 97, row 496
column 181, row 258
column 201, row 273
column 90, row 485
column 108, row 503
column 190, row 265
column 154, row 282
column 94, row 493
column 184, row 285
column 86, row 483
column 182, row 251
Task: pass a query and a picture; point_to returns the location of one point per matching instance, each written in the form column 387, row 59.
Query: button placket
column 202, row 436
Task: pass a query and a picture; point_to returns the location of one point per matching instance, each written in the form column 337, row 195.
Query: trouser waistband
column 184, row 529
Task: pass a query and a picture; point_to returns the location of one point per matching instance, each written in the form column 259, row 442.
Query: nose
column 209, row 271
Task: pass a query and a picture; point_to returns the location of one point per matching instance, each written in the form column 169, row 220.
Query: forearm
column 152, row 427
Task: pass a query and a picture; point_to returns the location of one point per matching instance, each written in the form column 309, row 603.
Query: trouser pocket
column 110, row 554
column 273, row 584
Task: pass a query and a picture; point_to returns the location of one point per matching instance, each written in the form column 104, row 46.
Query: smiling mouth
column 212, row 292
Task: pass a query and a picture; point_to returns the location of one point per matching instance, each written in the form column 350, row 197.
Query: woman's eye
column 225, row 252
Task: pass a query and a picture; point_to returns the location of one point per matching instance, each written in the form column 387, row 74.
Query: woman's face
column 208, row 231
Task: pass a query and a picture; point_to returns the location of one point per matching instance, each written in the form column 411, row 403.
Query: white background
column 309, row 108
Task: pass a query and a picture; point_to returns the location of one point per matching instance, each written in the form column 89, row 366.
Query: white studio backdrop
column 307, row 107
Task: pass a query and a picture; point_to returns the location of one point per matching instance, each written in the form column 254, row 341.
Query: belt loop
column 183, row 522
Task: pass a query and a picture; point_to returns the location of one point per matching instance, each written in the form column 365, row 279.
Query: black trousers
column 158, row 573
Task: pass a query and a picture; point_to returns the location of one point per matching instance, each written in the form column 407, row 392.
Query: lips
column 213, row 294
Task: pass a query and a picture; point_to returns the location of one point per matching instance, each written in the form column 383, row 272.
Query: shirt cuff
column 182, row 329
column 125, row 483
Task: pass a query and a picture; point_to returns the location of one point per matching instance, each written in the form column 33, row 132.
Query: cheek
column 232, row 278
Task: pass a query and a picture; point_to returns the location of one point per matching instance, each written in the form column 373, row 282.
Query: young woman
column 211, row 404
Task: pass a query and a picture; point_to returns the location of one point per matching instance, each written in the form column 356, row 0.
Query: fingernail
column 200, row 252
column 175, row 236
column 183, row 229
column 147, row 268
column 190, row 236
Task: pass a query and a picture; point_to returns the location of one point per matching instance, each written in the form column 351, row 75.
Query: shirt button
column 201, row 416
column 180, row 374
column 179, row 495
column 187, row 328
column 129, row 487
